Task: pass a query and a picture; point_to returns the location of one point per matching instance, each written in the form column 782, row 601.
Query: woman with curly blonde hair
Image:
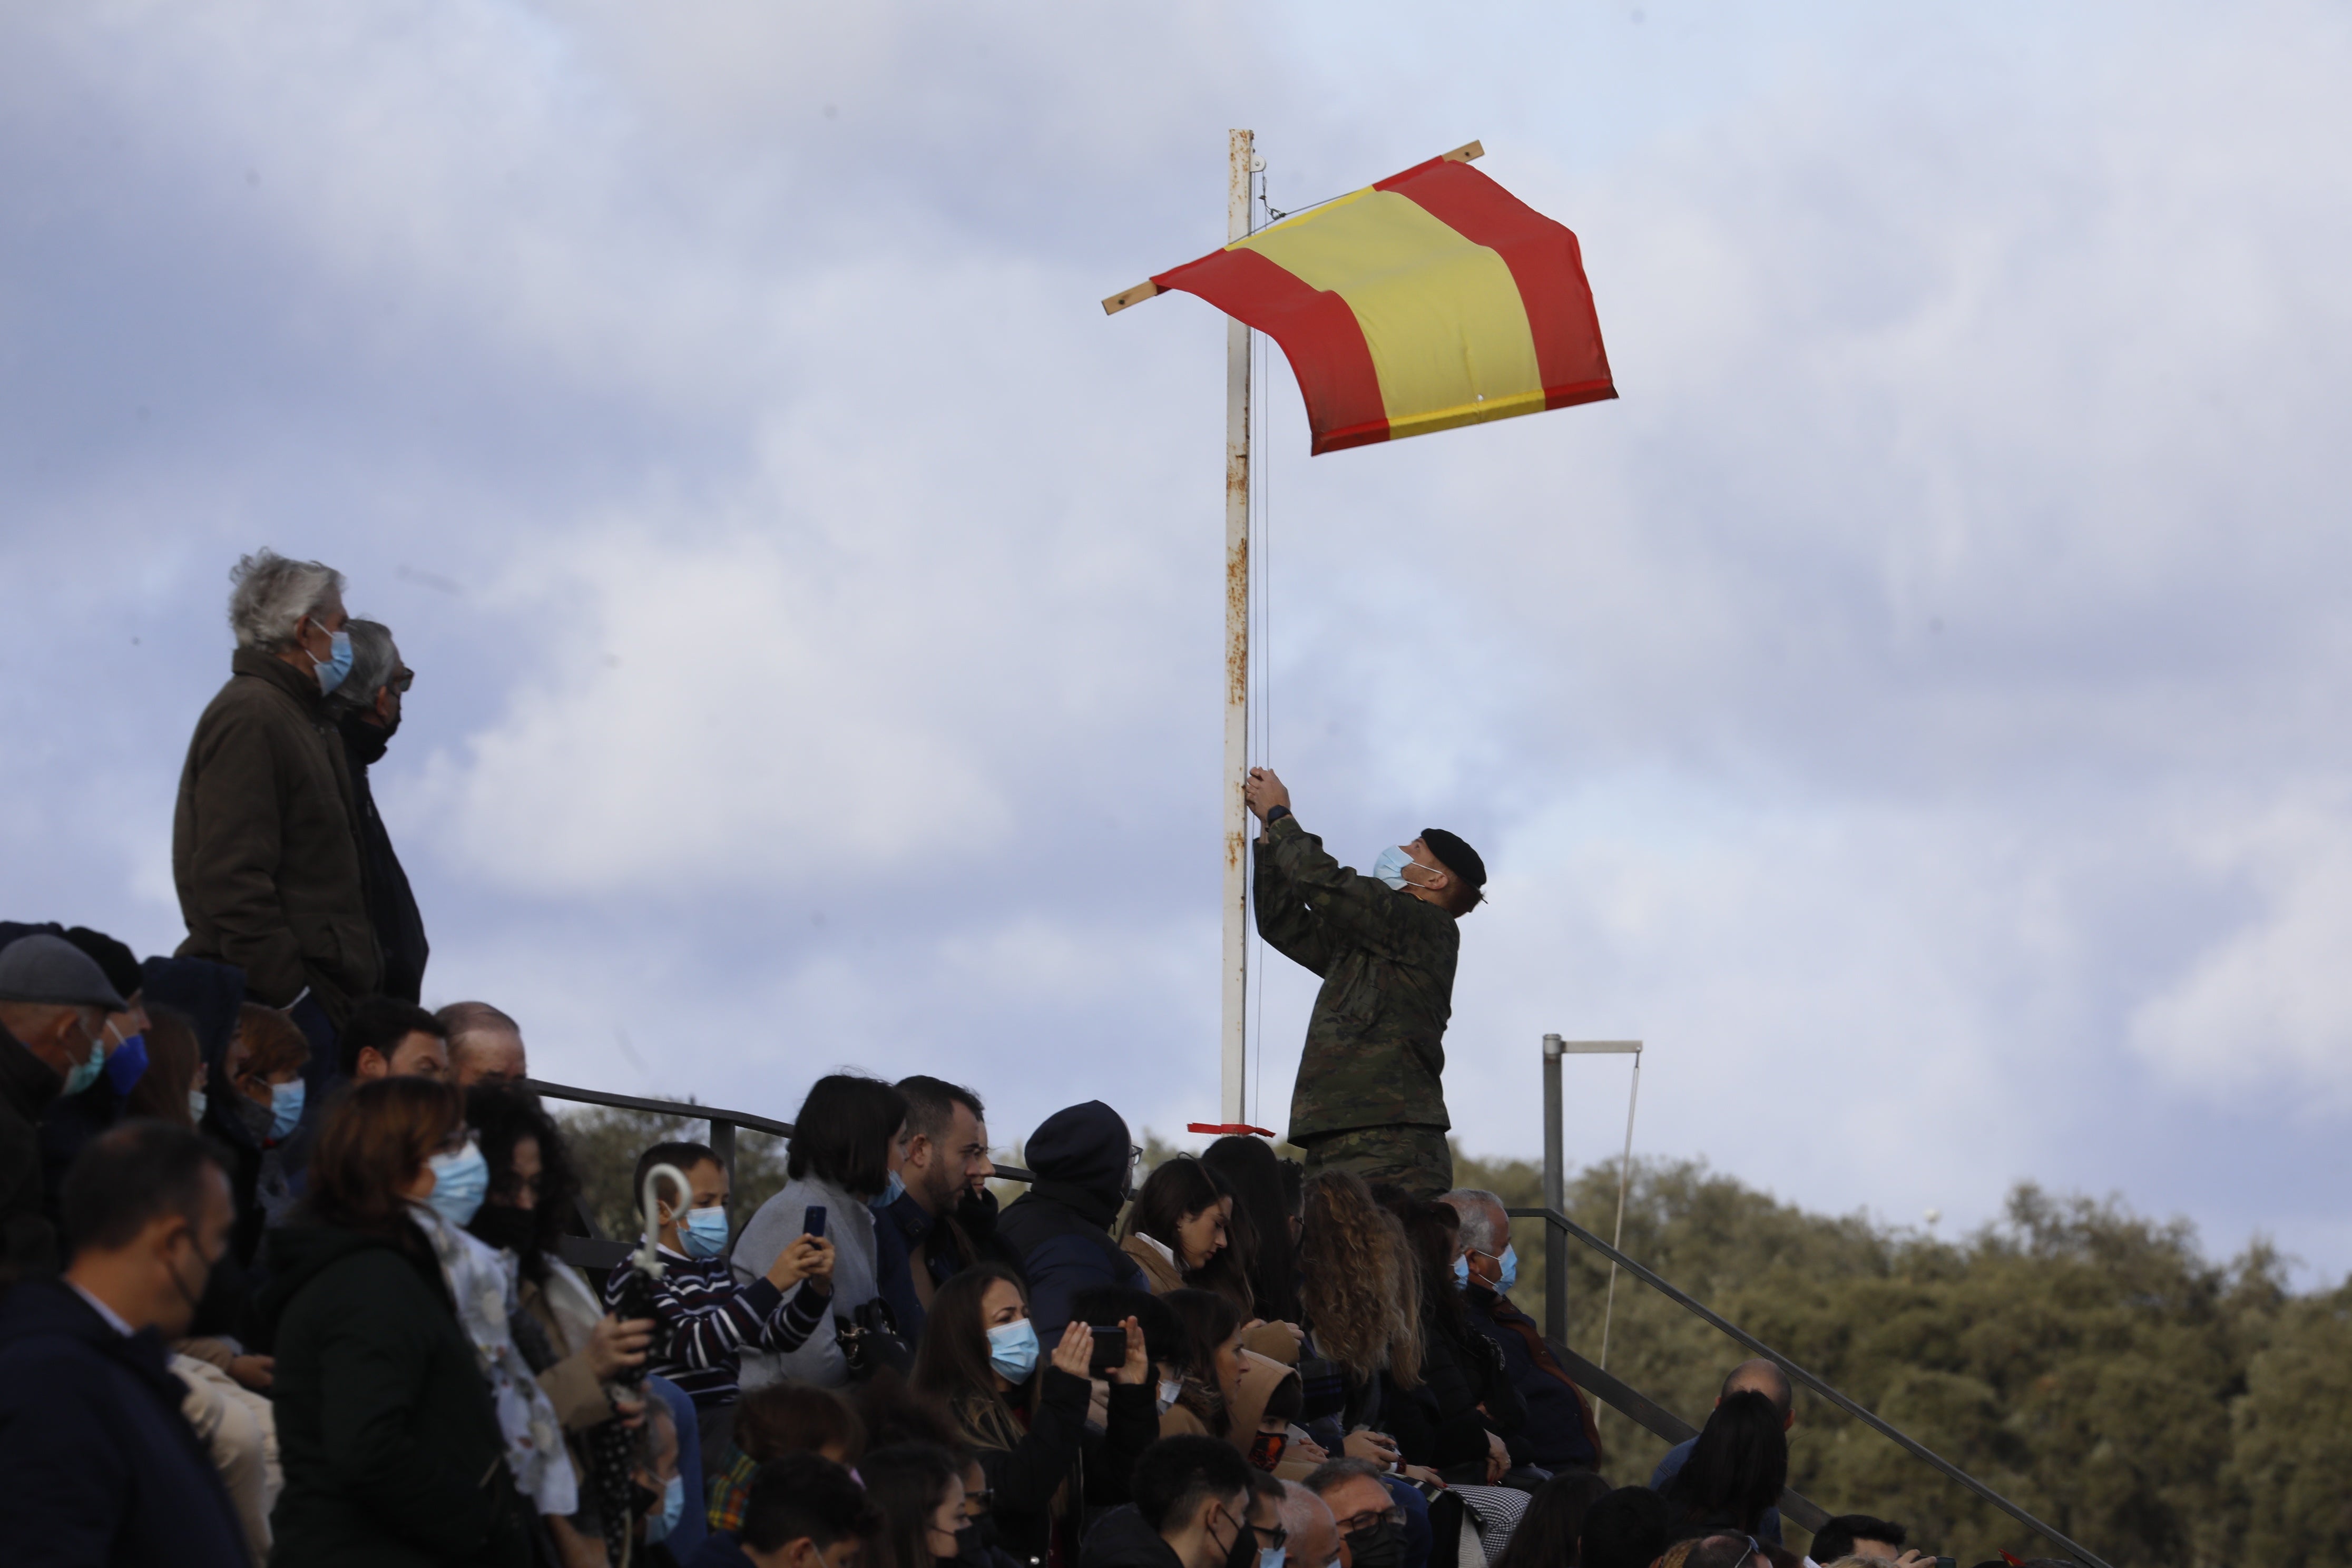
column 1357, row 1289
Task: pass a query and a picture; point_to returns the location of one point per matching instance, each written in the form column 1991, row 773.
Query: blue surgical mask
column 1271, row 1556
column 285, row 1108
column 673, row 1508
column 1013, row 1349
column 892, row 1192
column 1461, row 1271
column 1510, row 1275
column 127, row 1062
column 85, row 1072
column 337, row 664
column 1390, row 866
column 460, row 1181
column 703, row 1232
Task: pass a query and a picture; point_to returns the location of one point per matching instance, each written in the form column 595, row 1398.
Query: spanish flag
column 1431, row 299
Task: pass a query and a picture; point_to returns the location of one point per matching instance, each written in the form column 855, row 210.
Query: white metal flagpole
column 1242, row 159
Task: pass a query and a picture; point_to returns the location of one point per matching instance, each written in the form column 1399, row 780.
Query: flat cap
column 43, row 968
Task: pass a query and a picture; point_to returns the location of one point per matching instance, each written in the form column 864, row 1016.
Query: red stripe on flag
column 1317, row 330
column 1545, row 262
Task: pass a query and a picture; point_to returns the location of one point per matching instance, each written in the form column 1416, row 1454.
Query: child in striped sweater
column 704, row 1320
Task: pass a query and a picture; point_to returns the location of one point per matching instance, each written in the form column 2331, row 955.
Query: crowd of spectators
column 285, row 1275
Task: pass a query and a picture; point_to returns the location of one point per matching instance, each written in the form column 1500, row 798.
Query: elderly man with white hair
column 1558, row 1433
column 265, row 849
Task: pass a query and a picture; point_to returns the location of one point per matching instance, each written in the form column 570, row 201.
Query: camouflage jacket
column 1376, row 1043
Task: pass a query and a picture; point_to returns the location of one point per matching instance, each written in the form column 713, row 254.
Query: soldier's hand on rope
column 1263, row 791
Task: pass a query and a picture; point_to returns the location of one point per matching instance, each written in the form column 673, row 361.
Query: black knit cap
column 1457, row 857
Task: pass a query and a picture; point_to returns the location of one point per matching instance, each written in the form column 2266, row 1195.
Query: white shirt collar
column 1159, row 1246
column 114, row 1319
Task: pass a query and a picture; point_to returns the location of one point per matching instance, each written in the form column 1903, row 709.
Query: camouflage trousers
column 1411, row 1154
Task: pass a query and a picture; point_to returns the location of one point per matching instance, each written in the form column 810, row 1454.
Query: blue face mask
column 460, row 1181
column 703, row 1232
column 1461, row 1271
column 337, row 664
column 1272, row 1556
column 1510, row 1275
column 891, row 1192
column 85, row 1072
column 1390, row 866
column 673, row 1508
column 127, row 1062
column 1013, row 1349
column 285, row 1108
column 196, row 1103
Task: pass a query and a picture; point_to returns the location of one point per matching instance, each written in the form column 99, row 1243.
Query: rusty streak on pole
column 1241, row 156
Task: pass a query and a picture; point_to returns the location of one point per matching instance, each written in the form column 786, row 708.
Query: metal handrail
column 1555, row 1220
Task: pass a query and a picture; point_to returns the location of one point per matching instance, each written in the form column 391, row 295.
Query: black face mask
column 1242, row 1554
column 506, row 1226
column 1378, row 1546
column 968, row 1545
column 368, row 740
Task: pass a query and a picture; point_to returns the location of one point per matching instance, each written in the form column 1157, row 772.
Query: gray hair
column 271, row 594
column 374, row 657
column 1484, row 1219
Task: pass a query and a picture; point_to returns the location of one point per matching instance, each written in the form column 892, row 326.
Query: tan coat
column 264, row 850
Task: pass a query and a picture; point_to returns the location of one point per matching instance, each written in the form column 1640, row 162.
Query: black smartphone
column 1947, row 1562
column 1109, row 1353
column 813, row 1222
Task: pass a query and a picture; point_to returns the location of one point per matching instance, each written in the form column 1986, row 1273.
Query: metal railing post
column 722, row 1144
column 1555, row 1187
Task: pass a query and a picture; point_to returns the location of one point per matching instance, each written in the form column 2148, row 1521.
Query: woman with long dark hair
column 918, row 1487
column 1024, row 1413
column 1211, row 1372
column 1252, row 1173
column 848, row 1143
column 1181, row 1232
column 573, row 1346
column 394, row 1444
column 1548, row 1532
column 1737, row 1469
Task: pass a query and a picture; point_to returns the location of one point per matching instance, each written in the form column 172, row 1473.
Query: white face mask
column 195, row 1104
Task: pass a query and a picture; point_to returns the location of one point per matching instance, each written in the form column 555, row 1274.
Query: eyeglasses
column 1370, row 1516
column 980, row 1501
column 1271, row 1536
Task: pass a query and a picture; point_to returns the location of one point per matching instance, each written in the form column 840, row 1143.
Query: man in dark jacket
column 101, row 1466
column 1558, row 1433
column 945, row 1220
column 265, row 847
column 1085, row 1167
column 366, row 709
column 54, row 1003
column 1370, row 1095
column 1191, row 1510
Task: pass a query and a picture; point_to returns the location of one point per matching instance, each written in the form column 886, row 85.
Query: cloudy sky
column 1915, row 709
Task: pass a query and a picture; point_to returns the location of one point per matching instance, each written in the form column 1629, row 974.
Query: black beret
column 1457, row 857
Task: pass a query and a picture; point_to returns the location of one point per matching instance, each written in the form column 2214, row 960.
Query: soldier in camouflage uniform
column 1370, row 1096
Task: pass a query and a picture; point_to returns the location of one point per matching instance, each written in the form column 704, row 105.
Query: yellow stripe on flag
column 1448, row 334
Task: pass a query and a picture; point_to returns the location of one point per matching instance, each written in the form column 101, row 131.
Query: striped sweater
column 705, row 1321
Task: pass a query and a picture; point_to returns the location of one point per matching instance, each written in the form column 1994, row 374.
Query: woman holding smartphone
column 1025, row 1415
